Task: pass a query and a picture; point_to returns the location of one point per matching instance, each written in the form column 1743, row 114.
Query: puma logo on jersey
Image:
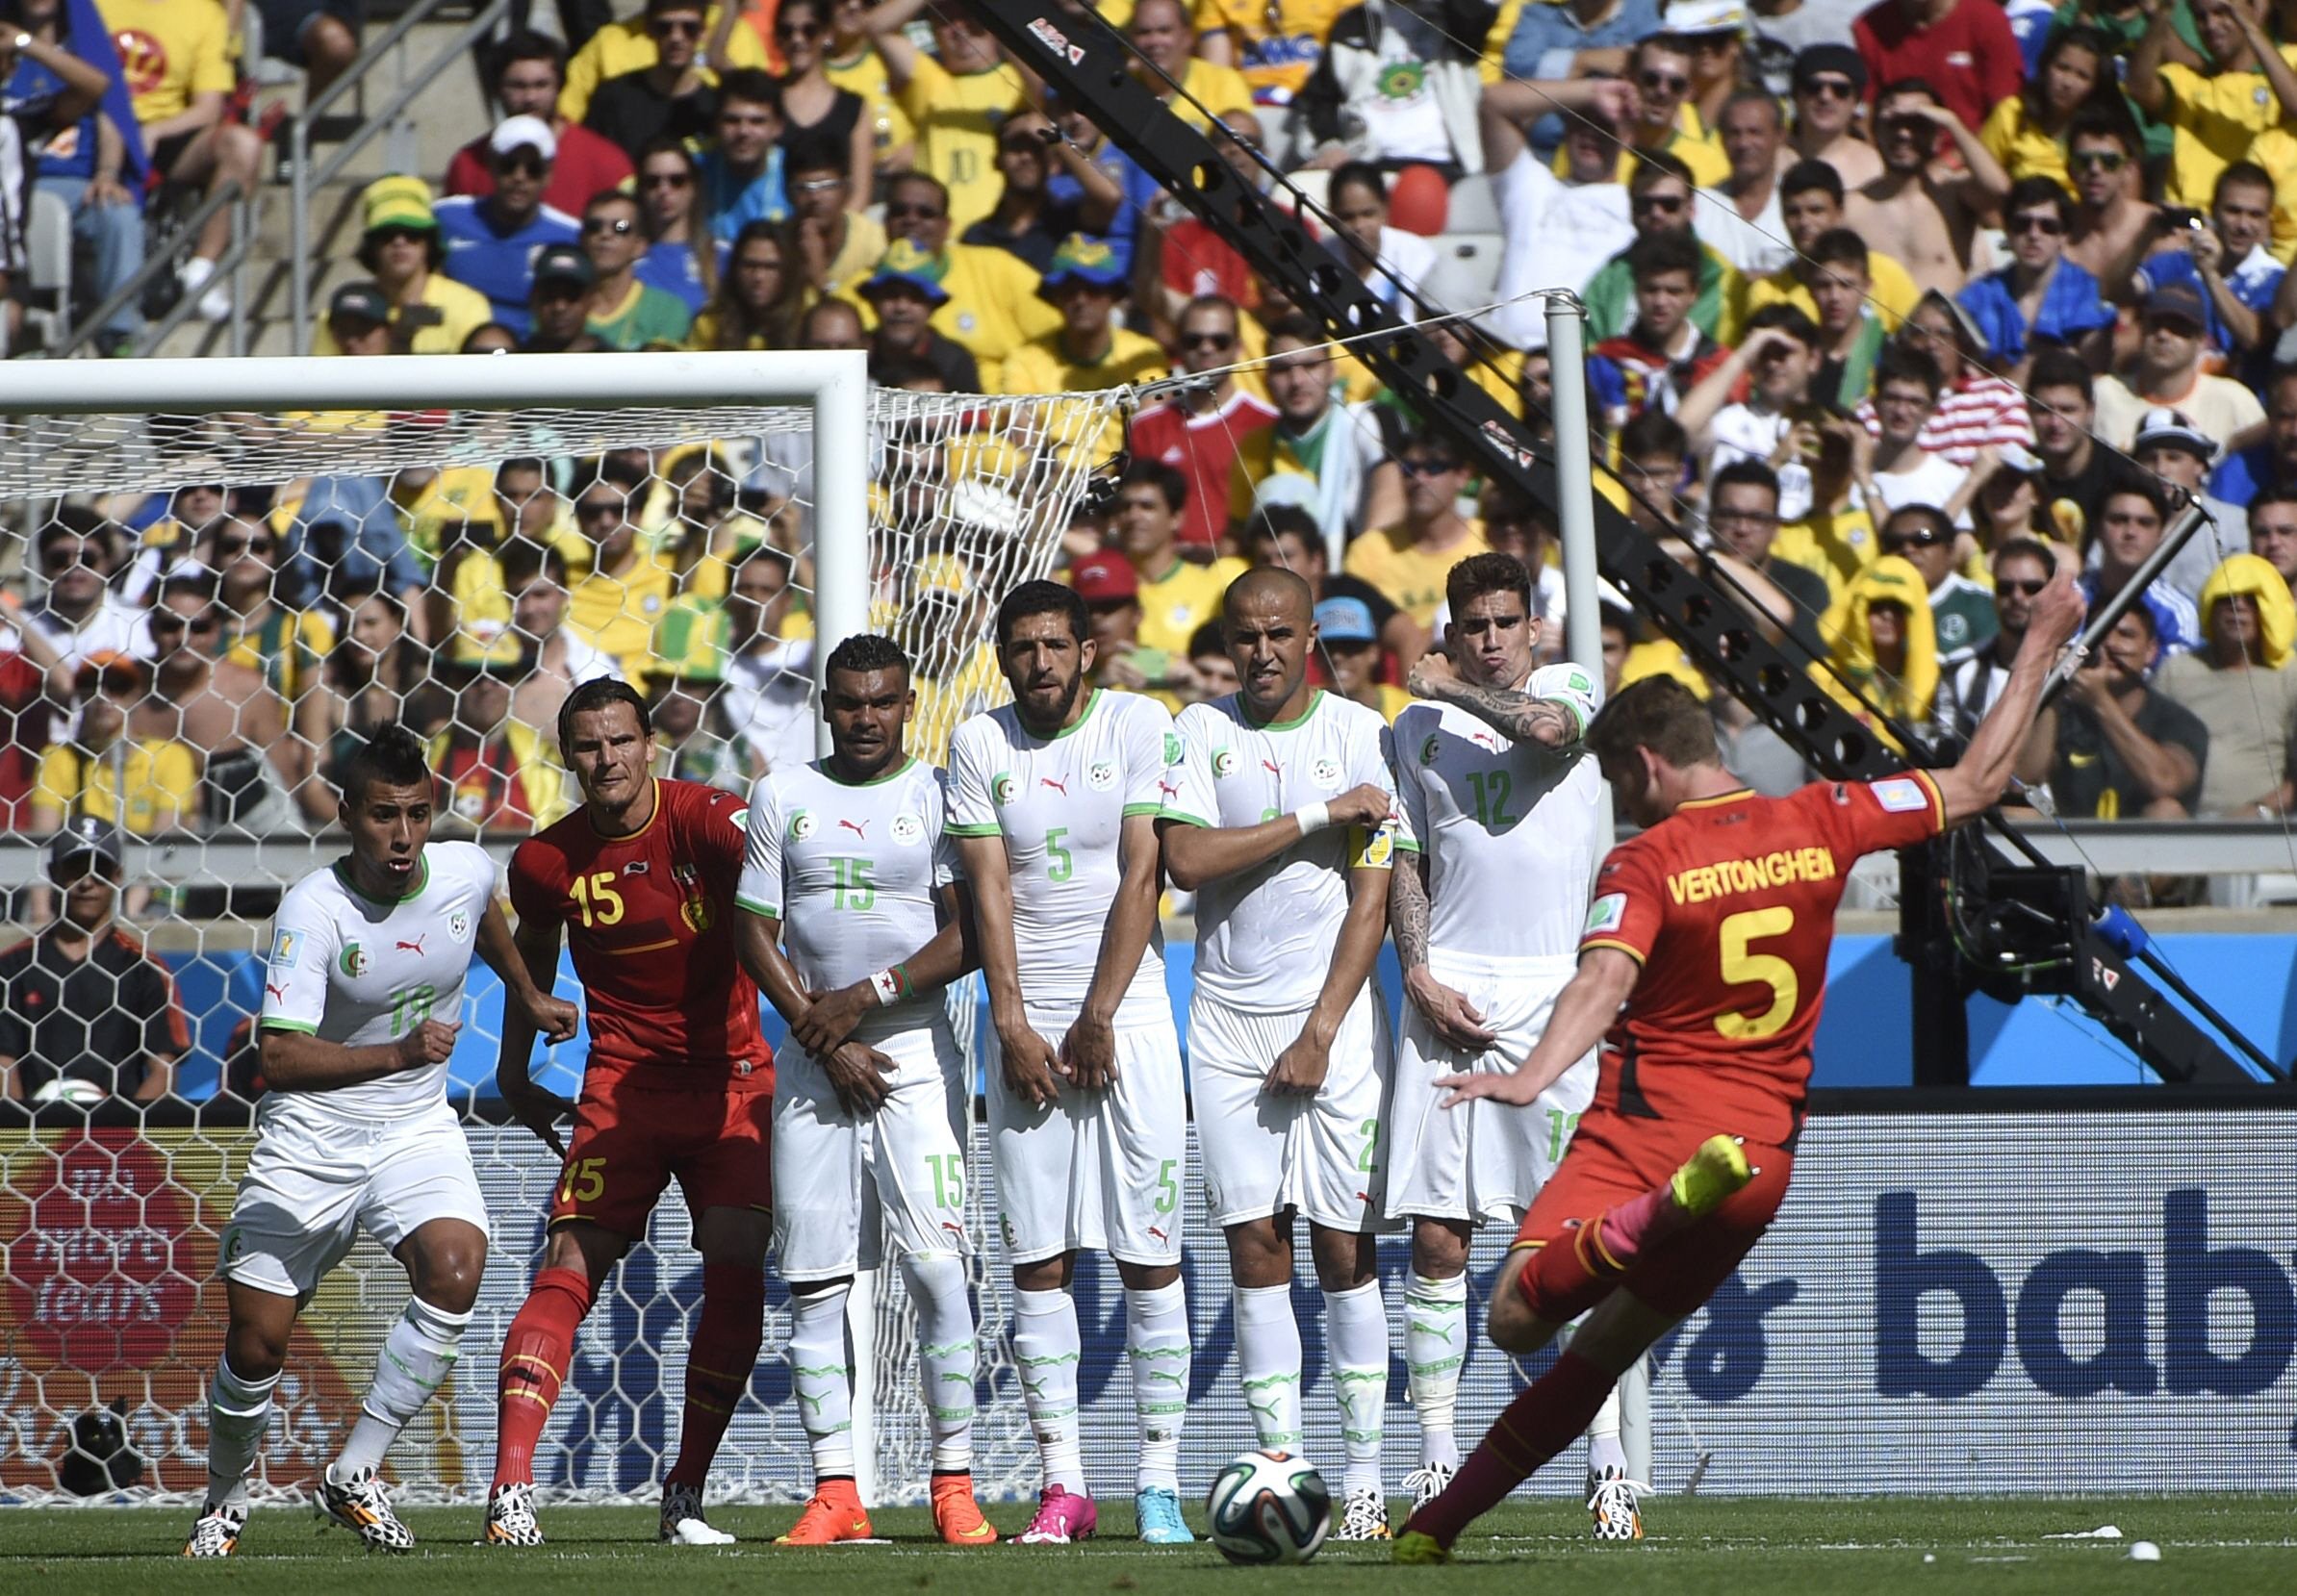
column 857, row 827
column 415, row 947
column 1169, row 789
column 1158, row 1234
column 278, row 992
column 1272, row 767
column 1484, row 740
column 1061, row 787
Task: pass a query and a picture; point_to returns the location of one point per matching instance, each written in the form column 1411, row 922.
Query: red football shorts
column 1614, row 1159
column 630, row 1143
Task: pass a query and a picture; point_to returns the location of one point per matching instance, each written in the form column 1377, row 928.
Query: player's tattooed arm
column 535, row 1108
column 1516, row 716
column 1456, row 1022
column 554, row 1017
column 1026, row 1058
column 1089, row 1051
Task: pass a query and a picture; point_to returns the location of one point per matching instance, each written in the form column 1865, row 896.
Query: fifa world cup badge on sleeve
column 1606, row 913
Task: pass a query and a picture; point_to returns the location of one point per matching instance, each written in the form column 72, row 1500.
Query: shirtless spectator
column 2113, row 225
column 233, row 722
column 1830, row 84
column 1926, row 210
column 1811, row 199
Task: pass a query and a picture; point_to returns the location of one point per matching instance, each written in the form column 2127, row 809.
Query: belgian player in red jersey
column 680, row 1085
column 1701, row 971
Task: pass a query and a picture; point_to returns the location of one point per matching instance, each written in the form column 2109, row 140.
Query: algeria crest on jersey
column 801, row 826
column 458, row 926
column 353, row 961
column 1325, row 773
column 1003, row 787
column 1101, row 776
column 1224, row 764
column 907, row 829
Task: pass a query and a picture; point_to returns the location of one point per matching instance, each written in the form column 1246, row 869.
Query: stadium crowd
column 1881, row 329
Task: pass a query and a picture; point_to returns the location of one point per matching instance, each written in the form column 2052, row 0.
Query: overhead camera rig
column 2055, row 948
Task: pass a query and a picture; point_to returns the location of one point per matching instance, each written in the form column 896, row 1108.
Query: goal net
column 221, row 597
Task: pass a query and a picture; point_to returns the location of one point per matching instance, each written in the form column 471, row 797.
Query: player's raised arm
column 1089, row 1051
column 1558, row 721
column 1584, row 1011
column 554, row 1018
column 1029, row 1060
column 1973, row 784
column 535, row 1108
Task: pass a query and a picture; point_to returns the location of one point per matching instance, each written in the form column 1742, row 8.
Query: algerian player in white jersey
column 1505, row 823
column 1282, row 824
column 1054, row 801
column 855, row 923
column 362, row 997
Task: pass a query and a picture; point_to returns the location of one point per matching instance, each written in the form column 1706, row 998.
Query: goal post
column 892, row 509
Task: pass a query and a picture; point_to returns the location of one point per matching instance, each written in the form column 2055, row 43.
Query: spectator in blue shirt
column 491, row 240
column 53, row 96
column 742, row 179
column 1547, row 38
column 2040, row 297
column 2228, row 263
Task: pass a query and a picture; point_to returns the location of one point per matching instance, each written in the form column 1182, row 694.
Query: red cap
column 1103, row 579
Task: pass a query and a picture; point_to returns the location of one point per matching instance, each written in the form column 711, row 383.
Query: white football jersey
column 1512, row 830
column 347, row 969
column 1264, row 936
column 1061, row 804
column 850, row 871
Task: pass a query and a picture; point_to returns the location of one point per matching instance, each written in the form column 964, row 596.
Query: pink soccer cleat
column 1062, row 1520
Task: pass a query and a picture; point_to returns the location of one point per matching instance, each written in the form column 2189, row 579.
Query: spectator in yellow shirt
column 1167, row 40
column 1090, row 352
column 905, row 292
column 957, row 103
column 158, row 778
column 175, row 54
column 854, row 65
column 615, row 606
column 1409, row 562
column 1121, row 659
column 993, row 306
column 838, row 246
column 2215, row 115
column 1176, row 595
column 1810, row 202
column 431, row 314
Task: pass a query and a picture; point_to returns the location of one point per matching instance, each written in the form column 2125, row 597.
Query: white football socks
column 945, row 1354
column 418, row 1356
column 1355, row 1339
column 237, row 1414
column 1269, row 1363
column 1435, row 1349
column 1157, row 1346
column 1046, row 1347
column 822, row 1376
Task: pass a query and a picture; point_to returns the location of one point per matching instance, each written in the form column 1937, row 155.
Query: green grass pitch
column 2215, row 1545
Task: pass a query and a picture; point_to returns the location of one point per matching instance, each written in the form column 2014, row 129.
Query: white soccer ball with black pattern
column 1269, row 1508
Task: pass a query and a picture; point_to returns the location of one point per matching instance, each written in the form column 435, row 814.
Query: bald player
column 1279, row 817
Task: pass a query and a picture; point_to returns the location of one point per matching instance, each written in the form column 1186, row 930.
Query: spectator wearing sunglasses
column 1961, row 611
column 1030, row 222
column 529, row 72
column 624, row 313
column 673, row 97
column 1195, row 431
column 681, row 257
column 822, row 117
column 2173, row 336
column 2113, row 223
column 1829, row 82
column 629, row 45
column 1973, row 678
column 2040, row 297
column 223, row 709
column 1963, row 49
column 1665, row 122
column 429, row 313
column 79, row 617
column 1659, row 201
column 492, row 241
column 262, row 630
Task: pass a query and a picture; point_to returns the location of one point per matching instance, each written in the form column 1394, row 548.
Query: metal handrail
column 133, row 289
column 304, row 179
column 229, row 264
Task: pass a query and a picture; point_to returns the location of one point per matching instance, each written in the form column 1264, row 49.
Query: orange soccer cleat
column 956, row 1515
column 834, row 1514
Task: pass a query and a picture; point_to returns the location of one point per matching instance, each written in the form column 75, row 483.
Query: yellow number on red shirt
column 1742, row 967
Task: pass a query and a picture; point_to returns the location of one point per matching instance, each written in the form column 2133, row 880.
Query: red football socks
column 535, row 1355
column 719, row 1363
column 1539, row 1424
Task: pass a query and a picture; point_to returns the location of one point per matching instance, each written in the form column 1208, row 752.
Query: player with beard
column 1281, row 826
column 1053, row 801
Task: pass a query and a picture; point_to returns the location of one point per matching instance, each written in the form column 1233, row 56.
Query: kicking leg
column 1356, row 1337
column 1156, row 1347
column 535, row 1356
column 445, row 1259
column 239, row 1409
column 720, row 1361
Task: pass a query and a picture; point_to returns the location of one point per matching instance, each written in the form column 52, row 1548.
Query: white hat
column 517, row 132
column 1705, row 16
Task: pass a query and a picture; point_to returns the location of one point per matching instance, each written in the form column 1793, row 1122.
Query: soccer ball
column 80, row 1094
column 1269, row 1507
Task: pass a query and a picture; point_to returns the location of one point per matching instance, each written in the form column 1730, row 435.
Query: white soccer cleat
column 1363, row 1517
column 1426, row 1482
column 510, row 1517
column 216, row 1532
column 1611, row 1498
column 682, row 1523
column 362, row 1505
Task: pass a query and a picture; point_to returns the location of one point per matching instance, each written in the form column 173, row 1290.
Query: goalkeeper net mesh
column 247, row 594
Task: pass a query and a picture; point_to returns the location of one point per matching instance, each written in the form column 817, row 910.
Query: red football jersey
column 1728, row 905
column 1202, row 449
column 650, row 918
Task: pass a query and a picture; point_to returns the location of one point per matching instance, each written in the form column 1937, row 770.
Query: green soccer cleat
column 1710, row 1176
column 1413, row 1546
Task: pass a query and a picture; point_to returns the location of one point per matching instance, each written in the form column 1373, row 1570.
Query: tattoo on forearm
column 1408, row 909
column 1516, row 714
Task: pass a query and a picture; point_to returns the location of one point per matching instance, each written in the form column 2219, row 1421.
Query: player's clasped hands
column 1087, row 1056
column 1030, row 1067
column 430, row 1043
column 860, row 1075
column 830, row 1019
